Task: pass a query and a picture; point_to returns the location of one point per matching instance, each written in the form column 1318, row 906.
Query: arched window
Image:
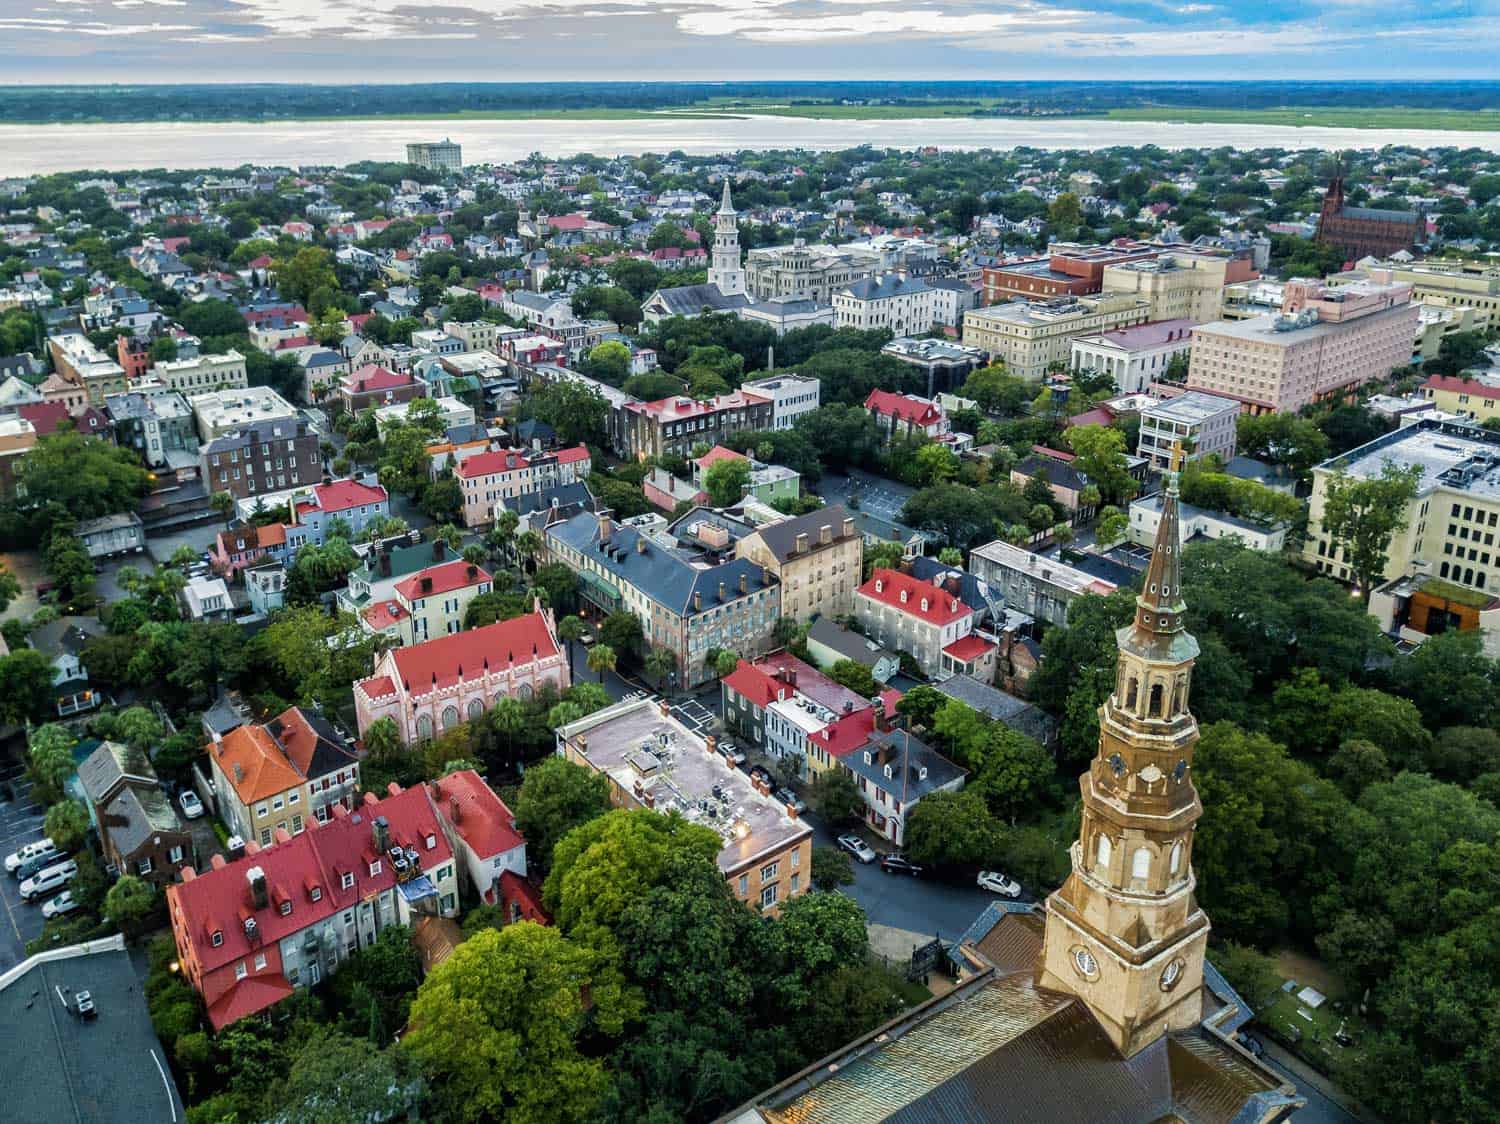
column 424, row 726
column 1156, row 693
column 1132, row 693
column 476, row 708
column 1140, row 863
column 450, row 717
column 1102, row 851
column 1176, row 860
column 524, row 692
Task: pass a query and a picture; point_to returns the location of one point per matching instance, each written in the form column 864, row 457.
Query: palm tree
column 504, row 530
column 601, row 659
column 223, row 505
column 528, row 545
column 569, row 631
column 659, row 663
column 509, row 718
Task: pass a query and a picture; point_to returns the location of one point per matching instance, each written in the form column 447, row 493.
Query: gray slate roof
column 691, row 300
column 781, row 538
column 882, row 287
column 104, row 769
column 911, row 755
column 660, row 574
column 992, row 702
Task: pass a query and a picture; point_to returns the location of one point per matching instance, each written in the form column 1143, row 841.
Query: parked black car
column 900, row 864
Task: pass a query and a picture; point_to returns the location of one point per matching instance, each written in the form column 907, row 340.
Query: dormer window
column 286, row 909
column 216, row 938
column 867, row 757
column 316, row 894
column 375, row 869
column 879, row 586
column 348, row 880
column 903, row 597
column 924, row 604
column 431, row 842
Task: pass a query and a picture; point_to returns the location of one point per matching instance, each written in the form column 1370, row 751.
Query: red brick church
column 1364, row 231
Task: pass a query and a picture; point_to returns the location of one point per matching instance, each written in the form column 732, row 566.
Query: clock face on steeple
column 1171, row 974
column 1084, row 963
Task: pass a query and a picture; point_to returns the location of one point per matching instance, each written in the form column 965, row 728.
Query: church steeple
column 724, row 268
column 1124, row 932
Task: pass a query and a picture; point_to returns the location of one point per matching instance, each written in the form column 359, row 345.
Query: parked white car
column 857, row 847
column 997, row 883
column 65, row 902
column 192, row 807
column 27, row 853
column 45, row 881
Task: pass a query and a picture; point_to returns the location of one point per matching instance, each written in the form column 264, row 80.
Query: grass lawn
column 1341, row 117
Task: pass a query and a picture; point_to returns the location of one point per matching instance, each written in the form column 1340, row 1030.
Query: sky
column 81, row 41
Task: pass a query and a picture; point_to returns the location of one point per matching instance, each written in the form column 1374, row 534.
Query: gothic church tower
column 724, row 270
column 1124, row 932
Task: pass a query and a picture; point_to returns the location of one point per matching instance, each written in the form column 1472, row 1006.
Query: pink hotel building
column 1323, row 343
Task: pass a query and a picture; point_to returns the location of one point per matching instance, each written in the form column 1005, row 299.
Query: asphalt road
column 20, row 823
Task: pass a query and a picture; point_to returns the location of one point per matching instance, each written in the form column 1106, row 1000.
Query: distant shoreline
column 1338, row 117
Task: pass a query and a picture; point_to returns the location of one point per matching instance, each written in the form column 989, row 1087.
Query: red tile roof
column 514, row 888
column 887, row 586
column 220, row 899
column 844, row 735
column 573, row 455
column 378, row 687
column 918, row 411
column 749, row 682
column 254, row 765
column 44, row 417
column 1436, row 382
column 682, row 406
column 482, row 821
column 498, row 645
column 383, row 614
column 444, row 578
column 486, row 464
column 246, row 997
column 719, row 453
column 341, row 495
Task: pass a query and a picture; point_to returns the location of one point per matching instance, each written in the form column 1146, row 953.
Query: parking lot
column 20, row 823
column 695, row 716
column 877, row 496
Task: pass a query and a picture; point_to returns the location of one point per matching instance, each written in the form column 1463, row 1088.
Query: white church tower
column 724, row 271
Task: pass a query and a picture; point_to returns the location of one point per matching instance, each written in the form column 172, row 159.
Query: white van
column 46, row 881
column 26, row 853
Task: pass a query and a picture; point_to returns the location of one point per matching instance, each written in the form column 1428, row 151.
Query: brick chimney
column 257, row 879
column 381, row 834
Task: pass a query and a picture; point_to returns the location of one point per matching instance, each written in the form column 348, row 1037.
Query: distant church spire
column 1124, row 932
column 724, row 268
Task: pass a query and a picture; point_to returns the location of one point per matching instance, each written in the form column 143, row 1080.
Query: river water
column 30, row 149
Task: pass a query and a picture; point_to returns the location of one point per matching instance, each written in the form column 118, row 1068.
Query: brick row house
column 427, row 604
column 488, row 479
column 927, row 621
column 428, row 688
column 262, row 457
column 251, row 931
column 139, row 832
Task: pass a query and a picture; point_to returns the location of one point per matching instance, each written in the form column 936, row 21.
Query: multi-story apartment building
column 375, row 386
column 488, row 479
column 285, row 916
column 430, row 603
column 431, row 687
column 1030, row 336
column 1067, row 270
column 1204, row 424
column 901, row 305
column 675, row 425
column 476, row 335
column 1181, row 286
column 436, row 156
column 1478, row 396
column 1040, row 587
column 926, row 621
column 1134, row 357
column 222, row 411
column 282, row 775
column 1446, row 282
column 818, row 558
column 17, row 437
column 1325, row 342
column 783, row 707
column 1451, row 523
column 688, row 608
column 385, row 566
column 653, row 761
column 791, row 396
column 79, row 362
column 203, row 373
column 264, row 456
column 157, row 423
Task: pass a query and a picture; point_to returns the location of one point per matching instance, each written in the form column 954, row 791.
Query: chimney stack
column 257, row 878
column 382, row 835
column 744, row 584
column 606, row 526
column 697, row 602
column 439, row 549
column 848, row 528
column 455, row 809
column 721, row 591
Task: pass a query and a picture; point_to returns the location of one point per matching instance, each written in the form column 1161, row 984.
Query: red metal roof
column 516, row 641
column 246, row 997
column 378, row 687
column 719, row 453
column 383, row 614
column 844, row 735
column 967, row 648
column 482, row 820
column 918, row 411
column 749, row 682
column 341, row 495
column 1451, row 383
column 573, row 455
column 373, row 377
column 924, row 600
column 444, row 578
column 486, row 464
